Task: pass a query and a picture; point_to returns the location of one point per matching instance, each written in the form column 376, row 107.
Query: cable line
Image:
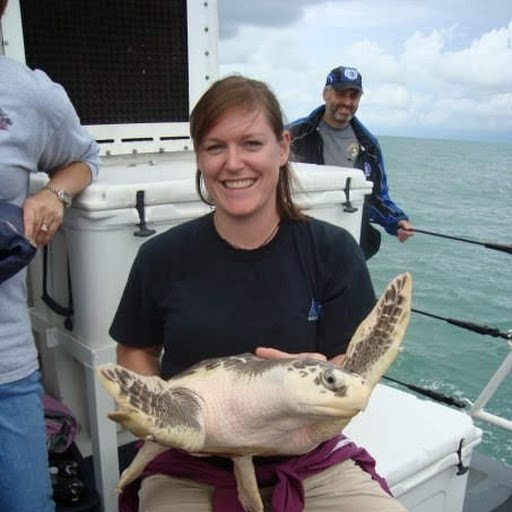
column 489, row 245
column 470, row 326
column 438, row 397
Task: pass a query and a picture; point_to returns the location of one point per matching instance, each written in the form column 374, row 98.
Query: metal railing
column 477, row 408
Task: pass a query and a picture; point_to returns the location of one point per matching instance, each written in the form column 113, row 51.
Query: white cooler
column 422, row 448
column 99, row 240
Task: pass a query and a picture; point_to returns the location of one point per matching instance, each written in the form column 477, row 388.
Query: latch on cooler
column 347, row 204
column 143, row 230
column 461, row 468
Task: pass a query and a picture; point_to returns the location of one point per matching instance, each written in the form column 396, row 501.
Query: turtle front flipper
column 246, row 484
column 154, row 410
column 377, row 340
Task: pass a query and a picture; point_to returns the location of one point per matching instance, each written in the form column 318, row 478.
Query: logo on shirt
column 352, row 151
column 5, row 122
column 367, row 169
column 314, row 311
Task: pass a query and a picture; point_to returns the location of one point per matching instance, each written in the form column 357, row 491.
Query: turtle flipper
column 152, row 409
column 246, row 484
column 145, row 455
column 377, row 340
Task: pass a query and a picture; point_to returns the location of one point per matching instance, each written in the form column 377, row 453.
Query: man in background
column 332, row 135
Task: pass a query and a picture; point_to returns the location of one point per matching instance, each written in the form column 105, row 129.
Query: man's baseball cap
column 342, row 78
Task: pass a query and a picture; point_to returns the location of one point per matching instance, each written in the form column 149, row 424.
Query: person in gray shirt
column 39, row 131
column 332, row 135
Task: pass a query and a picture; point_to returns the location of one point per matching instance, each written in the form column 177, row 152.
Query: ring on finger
column 44, row 227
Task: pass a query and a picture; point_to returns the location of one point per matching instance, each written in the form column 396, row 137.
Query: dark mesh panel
column 121, row 61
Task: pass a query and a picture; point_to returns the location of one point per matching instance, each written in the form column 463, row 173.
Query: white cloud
column 421, row 71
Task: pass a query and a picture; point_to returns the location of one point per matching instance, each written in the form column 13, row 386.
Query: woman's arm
column 43, row 212
column 145, row 361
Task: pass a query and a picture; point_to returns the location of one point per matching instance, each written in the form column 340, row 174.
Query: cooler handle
column 347, row 204
column 140, row 206
column 51, row 303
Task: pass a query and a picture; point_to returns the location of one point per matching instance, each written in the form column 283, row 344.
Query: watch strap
column 64, row 197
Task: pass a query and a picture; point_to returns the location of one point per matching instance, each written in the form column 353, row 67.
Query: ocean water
column 462, row 189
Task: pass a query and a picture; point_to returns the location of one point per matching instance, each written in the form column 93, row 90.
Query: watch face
column 64, row 197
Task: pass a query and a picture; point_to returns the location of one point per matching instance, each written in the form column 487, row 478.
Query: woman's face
column 240, row 159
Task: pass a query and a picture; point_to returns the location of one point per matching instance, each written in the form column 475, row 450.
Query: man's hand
column 405, row 230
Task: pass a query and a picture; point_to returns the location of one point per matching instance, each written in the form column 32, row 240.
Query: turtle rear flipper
column 246, row 484
column 377, row 340
column 144, row 456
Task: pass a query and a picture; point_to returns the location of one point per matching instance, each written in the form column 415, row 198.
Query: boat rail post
column 477, row 408
column 103, row 432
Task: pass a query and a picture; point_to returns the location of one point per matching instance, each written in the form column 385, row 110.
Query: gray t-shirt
column 39, row 131
column 340, row 145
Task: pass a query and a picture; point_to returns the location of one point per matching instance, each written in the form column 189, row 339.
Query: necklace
column 236, row 246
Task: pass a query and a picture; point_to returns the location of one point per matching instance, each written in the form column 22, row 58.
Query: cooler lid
column 172, row 180
column 407, row 435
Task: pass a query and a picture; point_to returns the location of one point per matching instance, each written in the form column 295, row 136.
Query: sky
column 430, row 68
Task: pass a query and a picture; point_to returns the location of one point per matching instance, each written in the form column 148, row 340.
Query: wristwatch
column 64, row 197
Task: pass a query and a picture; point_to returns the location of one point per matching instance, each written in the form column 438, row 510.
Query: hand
column 405, row 230
column 42, row 216
column 274, row 353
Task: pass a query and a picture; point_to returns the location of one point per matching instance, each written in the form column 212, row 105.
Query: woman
column 255, row 272
column 39, row 131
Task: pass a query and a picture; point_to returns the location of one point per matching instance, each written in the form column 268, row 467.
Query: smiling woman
column 256, row 271
column 227, row 102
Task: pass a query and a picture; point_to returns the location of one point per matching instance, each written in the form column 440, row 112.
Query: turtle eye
column 330, row 380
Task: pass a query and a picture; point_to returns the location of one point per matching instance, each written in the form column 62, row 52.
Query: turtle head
column 320, row 388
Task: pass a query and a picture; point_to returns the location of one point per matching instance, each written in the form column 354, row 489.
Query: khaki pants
column 342, row 488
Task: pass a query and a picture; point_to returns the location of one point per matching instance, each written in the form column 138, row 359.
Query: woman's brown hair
column 236, row 91
column 3, row 5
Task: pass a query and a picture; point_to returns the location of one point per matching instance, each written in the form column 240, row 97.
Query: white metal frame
column 477, row 408
column 99, row 404
column 202, row 33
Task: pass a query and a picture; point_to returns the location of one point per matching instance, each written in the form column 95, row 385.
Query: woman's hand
column 274, row 353
column 42, row 216
column 43, row 212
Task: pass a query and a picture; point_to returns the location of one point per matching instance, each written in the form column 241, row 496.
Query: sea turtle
column 243, row 405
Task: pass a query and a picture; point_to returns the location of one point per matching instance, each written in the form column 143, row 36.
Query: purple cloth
column 61, row 425
column 286, row 476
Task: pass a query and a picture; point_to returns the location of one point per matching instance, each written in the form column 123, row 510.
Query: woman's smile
column 238, row 184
